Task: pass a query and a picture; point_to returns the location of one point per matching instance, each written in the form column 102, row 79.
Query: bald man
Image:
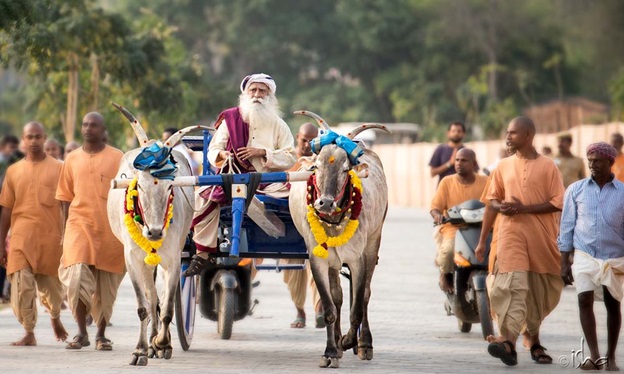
column 617, row 141
column 29, row 206
column 297, row 280
column 92, row 265
column 70, row 147
column 527, row 190
column 53, row 148
column 454, row 190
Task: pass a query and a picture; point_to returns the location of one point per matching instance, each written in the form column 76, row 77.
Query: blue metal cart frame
column 241, row 238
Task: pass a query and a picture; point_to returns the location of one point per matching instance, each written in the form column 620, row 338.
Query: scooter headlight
column 473, row 215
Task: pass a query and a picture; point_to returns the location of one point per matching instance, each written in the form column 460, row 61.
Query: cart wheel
column 484, row 314
column 227, row 307
column 185, row 304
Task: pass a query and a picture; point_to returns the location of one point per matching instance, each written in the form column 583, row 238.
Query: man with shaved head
column 92, row 266
column 29, row 207
column 53, row 148
column 454, row 190
column 297, row 280
column 527, row 190
column 70, row 147
column 617, row 141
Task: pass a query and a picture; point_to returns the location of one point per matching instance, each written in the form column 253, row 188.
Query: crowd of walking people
column 551, row 226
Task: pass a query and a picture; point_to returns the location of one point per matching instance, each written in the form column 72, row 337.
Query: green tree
column 78, row 56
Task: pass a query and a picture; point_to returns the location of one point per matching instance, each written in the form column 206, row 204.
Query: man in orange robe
column 29, row 206
column 454, row 190
column 297, row 280
column 527, row 190
column 92, row 265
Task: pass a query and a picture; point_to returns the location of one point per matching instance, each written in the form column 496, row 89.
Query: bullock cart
column 252, row 227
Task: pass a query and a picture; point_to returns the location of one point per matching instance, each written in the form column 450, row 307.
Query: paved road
column 410, row 328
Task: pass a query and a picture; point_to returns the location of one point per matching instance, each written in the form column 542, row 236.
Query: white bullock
column 328, row 203
column 154, row 199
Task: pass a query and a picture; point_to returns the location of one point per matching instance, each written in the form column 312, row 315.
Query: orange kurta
column 451, row 192
column 618, row 167
column 85, row 182
column 528, row 242
column 494, row 243
column 572, row 169
column 36, row 216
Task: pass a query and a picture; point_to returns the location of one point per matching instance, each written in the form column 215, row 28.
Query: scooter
column 224, row 292
column 469, row 302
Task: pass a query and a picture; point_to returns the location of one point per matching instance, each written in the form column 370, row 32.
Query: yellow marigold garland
column 150, row 247
column 318, row 231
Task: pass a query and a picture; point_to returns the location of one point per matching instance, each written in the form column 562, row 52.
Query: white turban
column 258, row 78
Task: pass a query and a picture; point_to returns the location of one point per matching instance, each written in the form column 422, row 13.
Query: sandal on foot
column 499, row 350
column 589, row 364
column 320, row 321
column 197, row 265
column 298, row 323
column 540, row 359
column 103, row 344
column 78, row 342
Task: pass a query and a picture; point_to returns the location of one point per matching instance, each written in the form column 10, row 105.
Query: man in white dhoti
column 591, row 228
column 250, row 137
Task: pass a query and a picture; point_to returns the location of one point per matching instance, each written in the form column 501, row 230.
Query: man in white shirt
column 250, row 137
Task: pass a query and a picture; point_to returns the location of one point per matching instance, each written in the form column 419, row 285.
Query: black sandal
column 498, row 350
column 197, row 265
column 540, row 359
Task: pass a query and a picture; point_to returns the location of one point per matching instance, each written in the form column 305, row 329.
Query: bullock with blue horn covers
column 340, row 217
column 151, row 215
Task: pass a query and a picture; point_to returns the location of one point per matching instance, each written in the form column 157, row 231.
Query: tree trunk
column 493, row 76
column 95, row 83
column 72, row 98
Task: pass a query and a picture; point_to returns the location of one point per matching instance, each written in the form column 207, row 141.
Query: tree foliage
column 177, row 62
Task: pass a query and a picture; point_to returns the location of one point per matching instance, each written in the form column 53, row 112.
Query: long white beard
column 265, row 111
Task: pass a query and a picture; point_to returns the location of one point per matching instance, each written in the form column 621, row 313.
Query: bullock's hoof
column 167, row 353
column 161, row 351
column 151, row 352
column 347, row 342
column 329, row 362
column 365, row 353
column 138, row 359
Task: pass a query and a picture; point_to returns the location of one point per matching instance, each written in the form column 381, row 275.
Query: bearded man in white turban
column 250, row 137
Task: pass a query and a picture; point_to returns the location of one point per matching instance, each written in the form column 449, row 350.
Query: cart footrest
column 279, row 268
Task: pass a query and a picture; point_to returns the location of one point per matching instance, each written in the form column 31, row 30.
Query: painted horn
column 322, row 124
column 175, row 138
column 367, row 126
column 136, row 125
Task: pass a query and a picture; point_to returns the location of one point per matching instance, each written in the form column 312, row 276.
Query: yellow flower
column 355, row 180
column 319, row 232
column 134, row 228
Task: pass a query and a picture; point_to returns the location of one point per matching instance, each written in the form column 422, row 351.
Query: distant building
column 562, row 115
column 402, row 133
